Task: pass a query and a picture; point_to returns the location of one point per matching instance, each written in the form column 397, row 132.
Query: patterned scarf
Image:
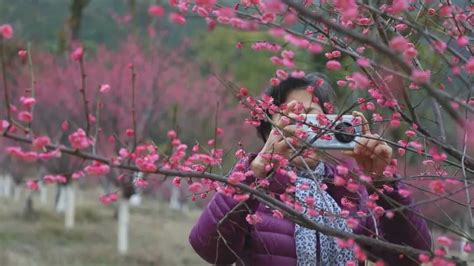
column 308, row 241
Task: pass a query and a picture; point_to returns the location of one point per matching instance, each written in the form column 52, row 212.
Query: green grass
column 158, row 235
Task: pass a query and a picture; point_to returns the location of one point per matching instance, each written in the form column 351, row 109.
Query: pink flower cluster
column 97, row 169
column 79, row 139
column 146, row 156
column 32, row 185
column 108, row 198
column 6, row 31
column 51, row 179
column 27, row 156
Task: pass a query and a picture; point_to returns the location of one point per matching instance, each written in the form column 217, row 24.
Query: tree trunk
column 43, row 190
column 17, row 189
column 60, row 199
column 175, row 198
column 123, row 221
column 3, row 183
column 136, row 200
column 8, row 186
column 70, row 194
column 28, row 210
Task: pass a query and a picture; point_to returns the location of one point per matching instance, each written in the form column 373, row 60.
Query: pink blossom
column 424, row 258
column 5, row 124
column 97, row 169
column 339, row 181
column 176, row 181
column 108, row 198
column 50, row 179
column 253, row 219
column 156, row 11
column 462, row 41
column 379, row 211
column 268, row 18
column 141, row 183
column 274, row 6
column 6, row 31
column 333, row 65
column 439, row 46
column 236, row 177
column 25, row 116
column 467, row 247
column 437, row 156
column 469, row 66
column 361, row 81
column 14, row 150
column 377, row 117
column 282, row 74
column 177, row 18
column 399, row 43
column 64, row 125
column 129, row 132
column 277, row 214
column 410, row 133
column 401, row 27
column 342, row 170
column 297, row 74
column 77, row 175
column 32, row 184
column 79, row 140
column 315, row 48
column 171, row 134
column 241, row 197
column 77, row 54
column 420, row 76
column 274, row 82
column 104, row 88
column 352, row 223
column 437, row 186
column 27, row 102
column 362, row 61
column 40, row 142
column 444, row 241
column 195, row 187
column 398, row 6
column 51, row 154
column 405, row 193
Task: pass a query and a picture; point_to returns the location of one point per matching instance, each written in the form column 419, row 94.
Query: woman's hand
column 371, row 153
column 276, row 143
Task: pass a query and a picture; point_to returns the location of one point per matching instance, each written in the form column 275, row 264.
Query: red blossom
column 156, row 11
column 6, row 31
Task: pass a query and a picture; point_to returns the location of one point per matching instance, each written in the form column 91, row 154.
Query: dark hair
column 324, row 93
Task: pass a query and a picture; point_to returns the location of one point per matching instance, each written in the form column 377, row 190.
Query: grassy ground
column 158, row 235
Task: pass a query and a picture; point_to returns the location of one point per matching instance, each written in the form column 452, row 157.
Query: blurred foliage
column 103, row 22
column 253, row 69
column 250, row 68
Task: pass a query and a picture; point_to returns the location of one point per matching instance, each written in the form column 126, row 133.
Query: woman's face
column 310, row 107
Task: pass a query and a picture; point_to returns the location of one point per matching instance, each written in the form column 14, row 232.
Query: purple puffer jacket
column 272, row 242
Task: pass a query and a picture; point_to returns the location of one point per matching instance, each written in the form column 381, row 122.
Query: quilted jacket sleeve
column 404, row 228
column 218, row 240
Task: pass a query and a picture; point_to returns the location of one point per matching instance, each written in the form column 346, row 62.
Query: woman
column 222, row 234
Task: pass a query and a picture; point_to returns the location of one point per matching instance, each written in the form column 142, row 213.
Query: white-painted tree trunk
column 136, row 200
column 123, row 221
column 70, row 193
column 8, row 186
column 2, row 185
column 17, row 189
column 174, row 199
column 43, row 191
column 61, row 203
